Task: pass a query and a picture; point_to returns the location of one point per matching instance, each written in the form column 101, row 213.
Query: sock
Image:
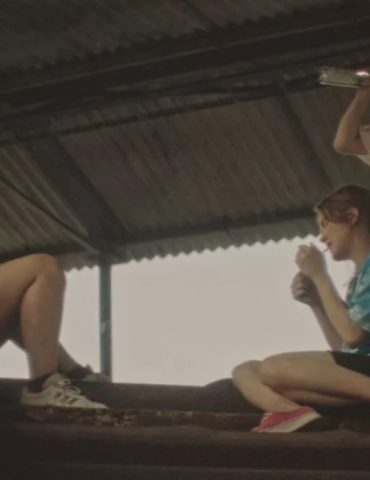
column 78, row 373
column 35, row 385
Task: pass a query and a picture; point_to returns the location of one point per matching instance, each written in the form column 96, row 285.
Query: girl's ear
column 353, row 215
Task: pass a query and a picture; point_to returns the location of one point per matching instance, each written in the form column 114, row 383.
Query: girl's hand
column 304, row 291
column 310, row 261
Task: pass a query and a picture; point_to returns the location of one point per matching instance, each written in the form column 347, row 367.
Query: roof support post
column 105, row 306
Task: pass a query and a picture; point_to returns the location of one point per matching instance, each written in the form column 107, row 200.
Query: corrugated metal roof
column 171, row 171
column 194, row 181
column 36, row 34
column 25, row 225
column 206, row 164
column 230, row 163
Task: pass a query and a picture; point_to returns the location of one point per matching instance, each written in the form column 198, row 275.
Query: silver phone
column 344, row 77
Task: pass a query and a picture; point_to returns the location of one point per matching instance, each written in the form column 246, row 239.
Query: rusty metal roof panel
column 24, row 229
column 209, row 167
column 32, row 214
column 232, row 161
column 320, row 125
column 164, row 177
column 35, row 34
column 178, row 171
column 203, row 168
column 191, row 181
column 214, row 240
column 20, row 171
column 237, row 11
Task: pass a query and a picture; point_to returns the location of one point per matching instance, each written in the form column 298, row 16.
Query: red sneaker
column 284, row 422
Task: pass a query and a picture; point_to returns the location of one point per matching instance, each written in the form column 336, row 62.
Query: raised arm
column 347, row 139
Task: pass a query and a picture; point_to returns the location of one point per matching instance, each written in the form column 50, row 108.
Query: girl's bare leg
column 314, row 372
column 246, row 378
column 65, row 361
column 283, row 382
column 32, row 289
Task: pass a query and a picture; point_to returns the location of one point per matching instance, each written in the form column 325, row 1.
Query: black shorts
column 353, row 361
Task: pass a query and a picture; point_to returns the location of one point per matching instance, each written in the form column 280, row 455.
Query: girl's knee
column 44, row 264
column 244, row 369
column 272, row 369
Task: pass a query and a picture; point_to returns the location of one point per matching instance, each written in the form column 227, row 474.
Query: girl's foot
column 285, row 422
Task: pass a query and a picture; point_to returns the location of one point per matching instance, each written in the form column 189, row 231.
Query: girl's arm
column 347, row 139
column 330, row 333
column 337, row 311
column 304, row 291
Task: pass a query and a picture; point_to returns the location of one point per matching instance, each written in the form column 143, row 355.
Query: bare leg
column 319, row 399
column 314, row 372
column 264, row 385
column 246, row 378
column 33, row 288
column 65, row 361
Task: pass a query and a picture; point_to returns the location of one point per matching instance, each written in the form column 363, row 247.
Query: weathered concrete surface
column 183, row 445
column 130, row 418
column 219, row 396
column 173, row 432
column 121, row 472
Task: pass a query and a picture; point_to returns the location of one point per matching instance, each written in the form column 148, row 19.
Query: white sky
column 190, row 319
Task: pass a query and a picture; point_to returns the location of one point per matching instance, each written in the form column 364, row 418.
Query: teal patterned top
column 358, row 302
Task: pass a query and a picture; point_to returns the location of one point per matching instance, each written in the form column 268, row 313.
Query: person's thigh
column 325, row 357
column 351, row 361
column 276, row 369
column 315, row 398
column 15, row 277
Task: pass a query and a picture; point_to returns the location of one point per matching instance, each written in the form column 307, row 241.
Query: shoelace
column 66, row 392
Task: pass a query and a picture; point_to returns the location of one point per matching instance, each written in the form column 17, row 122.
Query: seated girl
column 287, row 386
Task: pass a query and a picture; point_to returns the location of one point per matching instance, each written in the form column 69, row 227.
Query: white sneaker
column 95, row 376
column 58, row 392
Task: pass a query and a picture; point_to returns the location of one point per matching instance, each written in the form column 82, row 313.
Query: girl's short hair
column 334, row 206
